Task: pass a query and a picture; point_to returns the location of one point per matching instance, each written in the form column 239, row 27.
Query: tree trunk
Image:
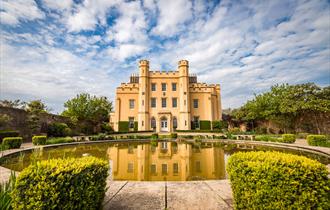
column 317, row 123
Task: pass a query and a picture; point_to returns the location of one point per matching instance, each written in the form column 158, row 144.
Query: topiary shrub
column 12, row 142
column 61, row 184
column 275, row 180
column 318, row 140
column 288, row 138
column 205, row 125
column 154, row 136
column 39, row 140
column 57, row 129
column 173, row 135
column 5, row 133
column 123, row 126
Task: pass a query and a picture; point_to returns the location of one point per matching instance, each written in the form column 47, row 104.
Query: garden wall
column 19, row 121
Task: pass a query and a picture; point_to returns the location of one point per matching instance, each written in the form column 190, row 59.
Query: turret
column 143, row 104
column 184, row 117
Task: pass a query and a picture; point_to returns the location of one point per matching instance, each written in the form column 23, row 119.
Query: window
column 174, row 102
column 131, row 103
column 164, row 145
column 163, row 86
column 153, row 102
column 153, row 86
column 198, row 166
column 175, row 123
column 195, row 103
column 153, row 169
column 175, row 168
column 173, row 86
column 196, row 122
column 164, row 168
column 153, row 123
column 163, row 102
column 130, row 168
column 131, row 122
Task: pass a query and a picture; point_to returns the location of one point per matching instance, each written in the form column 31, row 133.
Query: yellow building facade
column 165, row 101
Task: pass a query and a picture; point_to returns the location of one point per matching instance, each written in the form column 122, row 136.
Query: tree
column 92, row 109
column 13, row 104
column 285, row 103
column 34, row 109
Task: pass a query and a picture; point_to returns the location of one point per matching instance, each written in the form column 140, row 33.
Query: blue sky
column 52, row 50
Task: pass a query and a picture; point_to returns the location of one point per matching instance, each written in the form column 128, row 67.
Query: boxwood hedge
column 288, row 138
column 39, row 140
column 275, row 180
column 12, row 142
column 61, row 184
column 318, row 140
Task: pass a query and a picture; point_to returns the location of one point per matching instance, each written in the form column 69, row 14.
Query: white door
column 163, row 125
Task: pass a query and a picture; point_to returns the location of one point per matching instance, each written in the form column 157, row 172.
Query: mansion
column 165, row 101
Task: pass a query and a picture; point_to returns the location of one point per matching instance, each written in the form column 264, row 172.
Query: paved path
column 169, row 195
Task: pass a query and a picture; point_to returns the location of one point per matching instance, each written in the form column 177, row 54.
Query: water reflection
column 166, row 161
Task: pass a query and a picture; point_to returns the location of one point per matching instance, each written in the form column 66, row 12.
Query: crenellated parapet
column 203, row 87
column 128, row 88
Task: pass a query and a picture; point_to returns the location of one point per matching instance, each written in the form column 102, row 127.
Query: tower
column 143, row 102
column 184, row 115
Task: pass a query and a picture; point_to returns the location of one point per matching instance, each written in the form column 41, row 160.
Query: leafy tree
column 92, row 109
column 284, row 104
column 5, row 119
column 35, row 108
column 13, row 104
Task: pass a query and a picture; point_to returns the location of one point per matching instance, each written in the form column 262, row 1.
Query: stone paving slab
column 193, row 195
column 223, row 189
column 139, row 195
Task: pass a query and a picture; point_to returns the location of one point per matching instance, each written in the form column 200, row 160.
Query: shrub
column 57, row 129
column 106, row 128
column 12, row 142
column 39, row 140
column 219, row 124
column 62, row 184
column 173, row 135
column 123, row 126
column 275, row 180
column 136, row 126
column 265, row 138
column 154, row 136
column 205, row 125
column 59, row 140
column 318, row 140
column 234, row 130
column 4, row 134
column 288, row 138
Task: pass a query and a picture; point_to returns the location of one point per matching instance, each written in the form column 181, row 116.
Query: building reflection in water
column 163, row 160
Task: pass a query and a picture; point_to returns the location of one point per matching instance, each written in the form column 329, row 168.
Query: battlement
column 183, row 63
column 143, row 63
column 202, row 87
column 163, row 73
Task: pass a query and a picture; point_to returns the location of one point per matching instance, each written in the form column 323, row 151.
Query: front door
column 163, row 125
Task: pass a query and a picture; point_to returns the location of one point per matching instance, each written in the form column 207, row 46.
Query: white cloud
column 12, row 12
column 58, row 5
column 124, row 51
column 88, row 14
column 172, row 14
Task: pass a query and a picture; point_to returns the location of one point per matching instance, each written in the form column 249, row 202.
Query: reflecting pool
column 151, row 161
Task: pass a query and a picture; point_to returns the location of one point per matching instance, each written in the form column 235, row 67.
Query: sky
column 55, row 49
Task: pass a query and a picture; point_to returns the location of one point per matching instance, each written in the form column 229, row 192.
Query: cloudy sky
column 52, row 50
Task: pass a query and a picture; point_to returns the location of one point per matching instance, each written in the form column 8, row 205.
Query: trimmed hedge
column 318, row 140
column 288, row 138
column 123, row 126
column 62, row 184
column 173, row 135
column 12, row 142
column 154, row 136
column 39, row 140
column 59, row 140
column 265, row 138
column 275, row 180
column 136, row 126
column 4, row 134
column 205, row 125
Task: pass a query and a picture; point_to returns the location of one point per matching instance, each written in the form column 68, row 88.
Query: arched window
column 175, row 123
column 153, row 123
